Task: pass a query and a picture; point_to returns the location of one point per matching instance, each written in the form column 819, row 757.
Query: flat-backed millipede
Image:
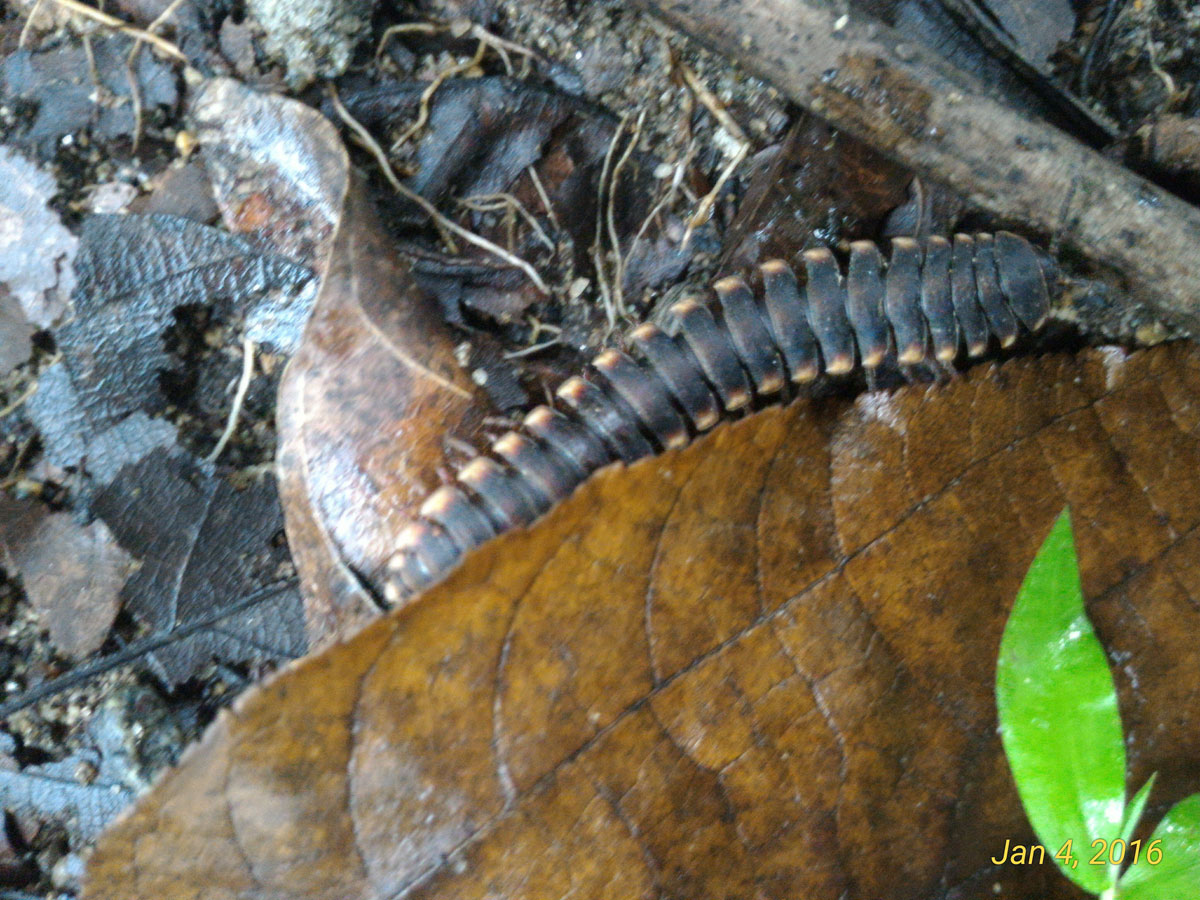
column 932, row 300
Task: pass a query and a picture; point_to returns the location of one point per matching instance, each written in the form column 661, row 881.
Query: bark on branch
column 864, row 78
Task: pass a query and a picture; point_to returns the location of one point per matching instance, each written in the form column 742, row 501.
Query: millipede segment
column 933, row 299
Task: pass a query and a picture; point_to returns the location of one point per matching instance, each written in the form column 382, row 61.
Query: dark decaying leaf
column 36, row 251
column 760, row 666
column 816, row 186
column 363, row 409
column 277, row 168
column 134, row 273
column 484, row 132
column 15, row 333
column 71, row 573
column 281, row 178
column 62, row 82
column 85, row 790
column 202, row 543
column 482, row 137
column 368, row 400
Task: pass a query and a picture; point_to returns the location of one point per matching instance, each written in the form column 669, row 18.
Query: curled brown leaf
column 363, row 409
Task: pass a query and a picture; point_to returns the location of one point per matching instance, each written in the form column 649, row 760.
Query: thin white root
column 90, row 12
column 238, row 399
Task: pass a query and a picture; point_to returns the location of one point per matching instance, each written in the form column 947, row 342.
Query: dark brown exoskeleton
column 933, row 299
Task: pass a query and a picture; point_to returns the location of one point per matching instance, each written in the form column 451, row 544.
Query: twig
column 25, row 395
column 477, row 31
column 405, row 28
column 238, row 399
column 11, row 478
column 541, row 192
column 90, row 12
column 704, row 208
column 499, row 44
column 440, row 220
column 533, row 348
column 136, row 649
column 1173, row 94
column 666, row 198
column 381, row 159
column 711, row 103
column 727, row 122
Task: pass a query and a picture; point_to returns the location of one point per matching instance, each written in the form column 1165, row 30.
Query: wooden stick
column 864, row 78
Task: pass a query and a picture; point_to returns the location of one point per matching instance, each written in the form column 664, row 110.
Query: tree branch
column 914, row 106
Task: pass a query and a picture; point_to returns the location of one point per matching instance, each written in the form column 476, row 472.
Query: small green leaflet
column 1176, row 874
column 1133, row 812
column 1061, row 730
column 1057, row 705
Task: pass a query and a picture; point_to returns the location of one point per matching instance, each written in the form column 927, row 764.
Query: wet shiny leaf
column 1058, row 711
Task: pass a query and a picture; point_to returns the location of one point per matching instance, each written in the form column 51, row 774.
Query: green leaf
column 1133, row 812
column 1058, row 711
column 1177, row 874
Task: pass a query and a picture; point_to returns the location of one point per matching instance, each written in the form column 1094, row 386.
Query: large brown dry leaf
column 759, row 667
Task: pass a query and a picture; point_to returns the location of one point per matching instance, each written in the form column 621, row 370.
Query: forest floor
column 105, row 553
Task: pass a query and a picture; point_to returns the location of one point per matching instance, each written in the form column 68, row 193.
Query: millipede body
column 933, row 299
